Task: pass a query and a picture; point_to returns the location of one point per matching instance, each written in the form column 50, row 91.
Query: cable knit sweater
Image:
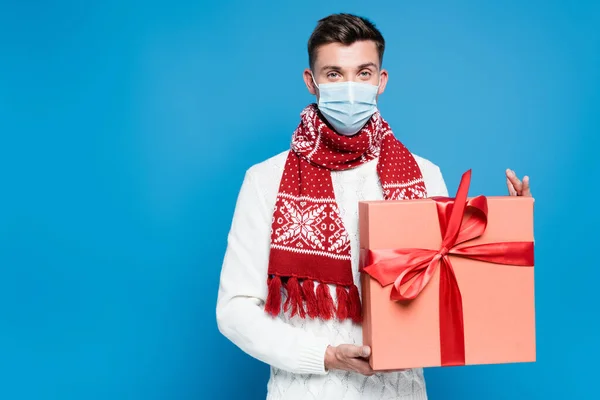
column 294, row 347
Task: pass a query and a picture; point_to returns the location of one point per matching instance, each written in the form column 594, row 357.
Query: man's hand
column 349, row 357
column 515, row 186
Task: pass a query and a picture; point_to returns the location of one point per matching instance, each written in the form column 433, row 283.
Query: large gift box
column 448, row 281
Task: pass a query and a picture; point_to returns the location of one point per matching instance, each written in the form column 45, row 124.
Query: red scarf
column 309, row 244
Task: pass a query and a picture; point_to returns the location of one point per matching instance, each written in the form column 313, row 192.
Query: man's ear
column 308, row 80
column 383, row 81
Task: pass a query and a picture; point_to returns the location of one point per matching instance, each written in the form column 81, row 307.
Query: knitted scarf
column 309, row 244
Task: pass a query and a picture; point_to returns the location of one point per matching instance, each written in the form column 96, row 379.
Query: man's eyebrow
column 367, row 65
column 362, row 66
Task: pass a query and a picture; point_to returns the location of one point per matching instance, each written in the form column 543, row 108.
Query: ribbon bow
column 410, row 269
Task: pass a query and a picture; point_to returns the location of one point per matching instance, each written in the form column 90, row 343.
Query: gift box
column 448, row 281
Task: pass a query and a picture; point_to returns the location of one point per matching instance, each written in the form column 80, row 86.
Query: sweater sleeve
column 243, row 291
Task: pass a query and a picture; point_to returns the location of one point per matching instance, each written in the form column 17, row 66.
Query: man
column 289, row 293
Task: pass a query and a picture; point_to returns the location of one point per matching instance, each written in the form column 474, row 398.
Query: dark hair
column 345, row 29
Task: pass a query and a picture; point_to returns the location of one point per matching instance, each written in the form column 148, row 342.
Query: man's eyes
column 336, row 75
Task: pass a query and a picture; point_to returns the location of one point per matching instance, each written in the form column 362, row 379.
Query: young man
column 289, row 293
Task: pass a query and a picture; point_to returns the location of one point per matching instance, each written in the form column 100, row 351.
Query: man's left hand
column 516, row 187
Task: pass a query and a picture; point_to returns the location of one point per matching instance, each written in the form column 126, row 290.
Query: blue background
column 126, row 130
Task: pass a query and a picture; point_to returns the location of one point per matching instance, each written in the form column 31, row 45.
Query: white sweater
column 295, row 348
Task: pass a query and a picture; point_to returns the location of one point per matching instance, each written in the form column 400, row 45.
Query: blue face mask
column 347, row 106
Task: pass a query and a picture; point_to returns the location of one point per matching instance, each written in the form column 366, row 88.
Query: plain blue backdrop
column 127, row 126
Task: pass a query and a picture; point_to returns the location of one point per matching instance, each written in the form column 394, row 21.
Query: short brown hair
column 345, row 29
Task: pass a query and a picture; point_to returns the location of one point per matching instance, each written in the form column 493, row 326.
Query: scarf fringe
column 303, row 300
column 273, row 303
column 355, row 309
column 343, row 303
column 308, row 289
column 325, row 302
column 294, row 299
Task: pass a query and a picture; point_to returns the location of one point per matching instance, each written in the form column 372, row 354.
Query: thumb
column 353, row 351
column 365, row 351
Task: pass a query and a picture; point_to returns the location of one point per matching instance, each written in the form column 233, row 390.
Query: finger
column 514, row 180
column 362, row 367
column 358, row 351
column 512, row 177
column 511, row 188
column 365, row 351
column 526, row 188
column 351, row 351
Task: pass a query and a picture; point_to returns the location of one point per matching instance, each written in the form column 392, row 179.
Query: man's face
column 335, row 62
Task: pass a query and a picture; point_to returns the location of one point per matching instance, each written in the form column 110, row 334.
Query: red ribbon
column 410, row 269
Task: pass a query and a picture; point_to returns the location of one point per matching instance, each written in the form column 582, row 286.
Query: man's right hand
column 349, row 357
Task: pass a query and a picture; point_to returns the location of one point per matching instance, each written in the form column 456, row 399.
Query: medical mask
column 347, row 106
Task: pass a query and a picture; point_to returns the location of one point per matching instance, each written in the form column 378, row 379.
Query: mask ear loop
column 313, row 79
